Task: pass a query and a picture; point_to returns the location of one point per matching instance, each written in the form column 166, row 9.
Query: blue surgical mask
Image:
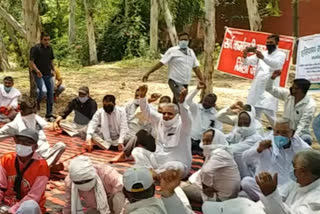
column 281, row 141
column 7, row 89
column 293, row 176
column 183, row 44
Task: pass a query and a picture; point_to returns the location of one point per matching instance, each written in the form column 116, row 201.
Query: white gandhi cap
column 233, row 206
column 137, row 175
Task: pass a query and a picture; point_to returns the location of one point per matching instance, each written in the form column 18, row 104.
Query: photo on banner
column 308, row 60
column 236, row 40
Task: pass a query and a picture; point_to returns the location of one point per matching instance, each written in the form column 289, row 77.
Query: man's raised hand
column 143, row 89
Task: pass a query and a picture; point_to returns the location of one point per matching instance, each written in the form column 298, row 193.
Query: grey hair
column 172, row 105
column 310, row 159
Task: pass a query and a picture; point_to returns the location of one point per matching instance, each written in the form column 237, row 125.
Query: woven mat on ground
column 55, row 189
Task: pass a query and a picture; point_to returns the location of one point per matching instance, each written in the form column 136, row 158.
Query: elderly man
column 108, row 127
column 8, row 99
column 23, row 176
column 28, row 118
column 173, row 145
column 203, row 115
column 84, row 108
column 274, row 156
column 299, row 108
column 303, row 195
column 181, row 61
column 139, row 188
column 100, row 187
column 219, row 177
column 267, row 62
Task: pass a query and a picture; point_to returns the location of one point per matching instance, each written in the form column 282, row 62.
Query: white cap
column 233, row 206
column 137, row 175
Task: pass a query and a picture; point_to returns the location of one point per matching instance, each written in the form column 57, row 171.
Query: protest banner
column 308, row 60
column 236, row 40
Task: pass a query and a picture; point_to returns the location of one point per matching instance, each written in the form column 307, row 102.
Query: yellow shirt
column 58, row 74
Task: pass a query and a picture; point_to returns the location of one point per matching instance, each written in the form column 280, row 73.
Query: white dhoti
column 145, row 158
column 73, row 129
column 99, row 140
column 251, row 188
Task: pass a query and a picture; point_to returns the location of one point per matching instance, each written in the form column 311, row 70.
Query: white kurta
column 9, row 99
column 172, row 144
column 117, row 120
column 300, row 200
column 202, row 118
column 300, row 114
column 257, row 96
column 275, row 160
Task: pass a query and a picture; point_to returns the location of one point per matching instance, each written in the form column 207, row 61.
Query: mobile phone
column 251, row 49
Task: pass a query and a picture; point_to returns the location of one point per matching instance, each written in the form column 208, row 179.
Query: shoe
column 51, row 118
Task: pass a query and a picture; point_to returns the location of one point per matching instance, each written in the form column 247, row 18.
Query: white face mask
column 136, row 101
column 29, row 117
column 169, row 123
column 23, row 151
column 244, row 131
column 183, row 44
column 83, row 99
column 87, row 186
column 206, row 198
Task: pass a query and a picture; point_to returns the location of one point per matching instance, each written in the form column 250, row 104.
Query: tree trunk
column 254, row 16
column 91, row 36
column 11, row 21
column 154, row 18
column 4, row 62
column 170, row 24
column 209, row 44
column 33, row 28
column 72, row 22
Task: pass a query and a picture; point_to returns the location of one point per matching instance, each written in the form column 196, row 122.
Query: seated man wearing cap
column 100, row 187
column 108, row 127
column 8, row 99
column 139, row 188
column 23, row 176
column 28, row 118
column 274, row 156
column 173, row 145
column 302, row 195
column 84, row 108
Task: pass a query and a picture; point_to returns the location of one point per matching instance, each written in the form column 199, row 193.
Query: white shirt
column 275, row 160
column 257, row 96
column 300, row 200
column 117, row 120
column 173, row 144
column 9, row 99
column 300, row 114
column 180, row 64
column 202, row 118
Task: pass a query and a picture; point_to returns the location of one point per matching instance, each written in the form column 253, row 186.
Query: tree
column 11, row 21
column 209, row 44
column 4, row 63
column 72, row 21
column 169, row 21
column 93, row 58
column 254, row 16
column 154, row 16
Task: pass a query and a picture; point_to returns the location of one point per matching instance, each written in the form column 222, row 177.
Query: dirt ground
column 122, row 78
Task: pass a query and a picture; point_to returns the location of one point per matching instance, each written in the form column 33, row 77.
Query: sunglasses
column 82, row 182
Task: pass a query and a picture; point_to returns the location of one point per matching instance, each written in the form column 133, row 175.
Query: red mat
column 55, row 189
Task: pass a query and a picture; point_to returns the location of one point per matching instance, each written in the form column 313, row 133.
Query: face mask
column 271, row 48
column 83, row 99
column 281, row 141
column 87, row 186
column 244, row 131
column 23, row 151
column 108, row 108
column 293, row 176
column 171, row 122
column 136, row 101
column 183, row 44
column 7, row 89
column 29, row 117
column 206, row 198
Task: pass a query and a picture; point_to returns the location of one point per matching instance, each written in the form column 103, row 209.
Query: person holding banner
column 266, row 63
column 181, row 60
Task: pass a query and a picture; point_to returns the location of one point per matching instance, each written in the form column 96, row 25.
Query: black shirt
column 42, row 56
column 83, row 111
